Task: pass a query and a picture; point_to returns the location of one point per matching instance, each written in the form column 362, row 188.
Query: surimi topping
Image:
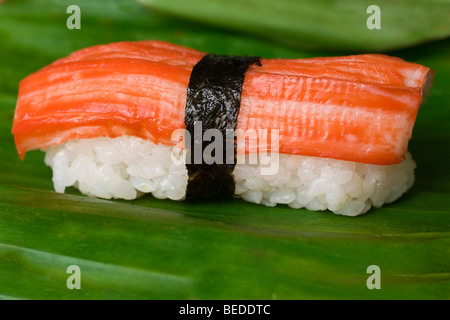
column 359, row 108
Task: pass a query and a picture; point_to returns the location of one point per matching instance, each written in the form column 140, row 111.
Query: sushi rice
column 128, row 167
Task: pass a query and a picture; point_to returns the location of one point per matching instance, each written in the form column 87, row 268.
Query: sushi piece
column 106, row 117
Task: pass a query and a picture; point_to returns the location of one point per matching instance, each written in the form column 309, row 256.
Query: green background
column 160, row 249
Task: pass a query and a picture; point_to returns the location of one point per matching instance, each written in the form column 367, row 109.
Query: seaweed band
column 213, row 98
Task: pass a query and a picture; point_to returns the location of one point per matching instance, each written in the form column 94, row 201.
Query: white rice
column 127, row 167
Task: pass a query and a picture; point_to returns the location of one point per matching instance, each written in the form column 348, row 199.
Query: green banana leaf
column 375, row 25
column 162, row 249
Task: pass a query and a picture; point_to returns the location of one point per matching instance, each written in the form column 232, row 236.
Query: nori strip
column 214, row 98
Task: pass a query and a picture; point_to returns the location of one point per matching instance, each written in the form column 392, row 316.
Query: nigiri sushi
column 122, row 120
